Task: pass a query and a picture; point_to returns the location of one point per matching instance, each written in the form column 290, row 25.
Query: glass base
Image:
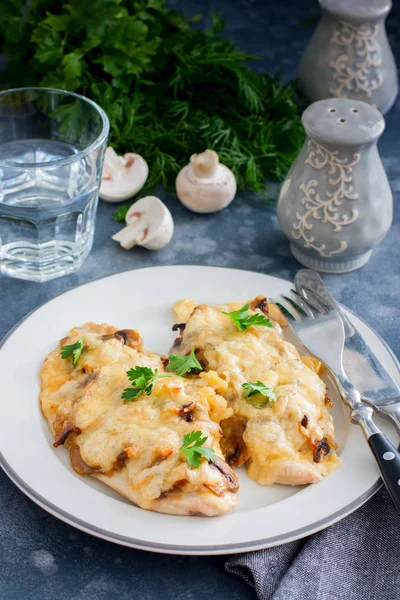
column 41, row 262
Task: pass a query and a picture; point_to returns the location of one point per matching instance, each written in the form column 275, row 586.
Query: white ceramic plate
column 142, row 299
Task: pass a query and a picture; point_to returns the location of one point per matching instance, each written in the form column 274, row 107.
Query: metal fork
column 376, row 386
column 321, row 331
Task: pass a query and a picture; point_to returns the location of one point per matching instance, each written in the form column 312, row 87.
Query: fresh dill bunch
column 169, row 90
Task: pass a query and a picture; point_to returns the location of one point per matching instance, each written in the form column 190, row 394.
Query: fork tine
column 283, row 309
column 290, row 308
column 294, row 307
column 313, row 300
column 302, row 304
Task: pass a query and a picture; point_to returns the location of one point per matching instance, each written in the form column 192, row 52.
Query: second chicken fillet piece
column 281, row 427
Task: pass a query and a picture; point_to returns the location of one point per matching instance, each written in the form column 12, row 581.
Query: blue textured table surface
column 42, row 558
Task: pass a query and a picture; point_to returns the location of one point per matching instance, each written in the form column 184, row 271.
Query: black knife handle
column 388, row 460
column 386, row 455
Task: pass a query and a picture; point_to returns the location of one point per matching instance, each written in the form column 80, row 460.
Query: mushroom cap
column 204, row 185
column 123, row 176
column 149, row 224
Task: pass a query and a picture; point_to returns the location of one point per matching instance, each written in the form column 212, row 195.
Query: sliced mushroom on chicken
column 232, row 444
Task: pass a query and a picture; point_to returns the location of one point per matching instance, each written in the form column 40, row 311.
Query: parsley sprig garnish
column 243, row 320
column 194, row 450
column 181, row 364
column 258, row 394
column 143, row 381
column 73, row 350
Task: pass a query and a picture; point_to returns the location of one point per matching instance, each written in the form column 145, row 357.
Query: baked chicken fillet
column 134, row 447
column 289, row 439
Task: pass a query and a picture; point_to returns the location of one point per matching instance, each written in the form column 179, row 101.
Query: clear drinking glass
column 52, row 147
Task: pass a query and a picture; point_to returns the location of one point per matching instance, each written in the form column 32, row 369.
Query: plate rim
column 170, row 548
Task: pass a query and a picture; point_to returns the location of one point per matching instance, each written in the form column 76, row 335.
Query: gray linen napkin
column 355, row 559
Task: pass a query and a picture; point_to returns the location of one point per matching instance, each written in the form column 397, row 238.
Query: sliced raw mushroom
column 123, row 176
column 204, row 185
column 149, row 224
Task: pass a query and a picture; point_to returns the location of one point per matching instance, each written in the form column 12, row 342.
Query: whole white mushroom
column 204, row 185
column 123, row 176
column 149, row 224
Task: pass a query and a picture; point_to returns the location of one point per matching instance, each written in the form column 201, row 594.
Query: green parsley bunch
column 168, row 88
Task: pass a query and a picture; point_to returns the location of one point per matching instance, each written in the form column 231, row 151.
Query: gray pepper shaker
column 336, row 204
column 349, row 55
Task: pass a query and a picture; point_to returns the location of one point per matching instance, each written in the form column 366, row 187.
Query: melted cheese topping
column 282, row 438
column 134, row 446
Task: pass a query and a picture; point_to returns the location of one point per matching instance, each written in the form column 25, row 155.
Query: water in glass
column 48, row 201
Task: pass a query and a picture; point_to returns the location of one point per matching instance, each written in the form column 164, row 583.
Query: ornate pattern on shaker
column 325, row 208
column 362, row 74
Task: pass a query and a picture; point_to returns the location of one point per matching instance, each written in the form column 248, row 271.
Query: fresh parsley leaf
column 73, row 350
column 193, row 449
column 182, row 364
column 72, row 64
column 130, row 394
column 71, row 119
column 143, row 381
column 49, row 46
column 57, row 23
column 243, row 320
column 120, row 213
column 258, row 389
column 139, row 374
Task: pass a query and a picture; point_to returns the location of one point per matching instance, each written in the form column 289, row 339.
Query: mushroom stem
column 128, row 237
column 204, row 165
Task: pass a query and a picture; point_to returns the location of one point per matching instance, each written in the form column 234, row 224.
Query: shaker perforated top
column 363, row 10
column 343, row 121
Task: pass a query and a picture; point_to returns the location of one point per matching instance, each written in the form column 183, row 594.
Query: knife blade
column 361, row 365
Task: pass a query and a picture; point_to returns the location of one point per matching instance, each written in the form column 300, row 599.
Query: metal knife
column 374, row 383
